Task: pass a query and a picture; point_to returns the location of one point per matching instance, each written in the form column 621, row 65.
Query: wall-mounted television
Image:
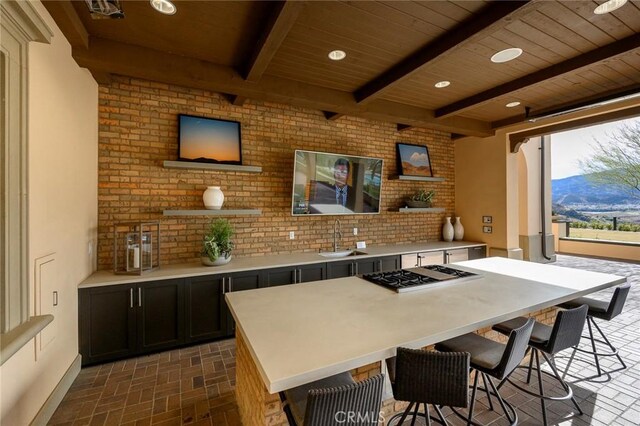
column 209, row 140
column 335, row 184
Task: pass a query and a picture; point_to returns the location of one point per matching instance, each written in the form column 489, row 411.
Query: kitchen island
column 289, row 336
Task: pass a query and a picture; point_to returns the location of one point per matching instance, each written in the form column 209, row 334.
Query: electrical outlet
column 292, row 235
column 487, row 229
column 355, row 231
column 487, row 219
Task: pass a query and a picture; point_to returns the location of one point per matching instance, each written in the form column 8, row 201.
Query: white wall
column 63, row 158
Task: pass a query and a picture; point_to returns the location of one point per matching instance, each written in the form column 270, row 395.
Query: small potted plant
column 421, row 199
column 217, row 244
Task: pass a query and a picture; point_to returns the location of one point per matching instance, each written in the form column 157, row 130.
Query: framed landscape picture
column 413, row 160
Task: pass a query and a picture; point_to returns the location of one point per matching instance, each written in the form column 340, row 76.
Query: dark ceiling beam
column 492, row 16
column 235, row 99
column 570, row 65
column 67, row 19
column 403, row 127
column 570, row 107
column 135, row 61
column 517, row 139
column 331, row 116
column 280, row 22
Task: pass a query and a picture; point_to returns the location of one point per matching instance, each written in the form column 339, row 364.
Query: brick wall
column 139, row 130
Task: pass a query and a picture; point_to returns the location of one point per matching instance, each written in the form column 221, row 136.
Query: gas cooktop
column 404, row 280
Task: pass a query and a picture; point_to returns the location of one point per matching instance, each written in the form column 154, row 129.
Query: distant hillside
column 580, row 190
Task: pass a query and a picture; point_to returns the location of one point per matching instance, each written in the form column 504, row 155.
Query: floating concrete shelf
column 222, row 212
column 421, row 210
column 420, row 178
column 211, row 166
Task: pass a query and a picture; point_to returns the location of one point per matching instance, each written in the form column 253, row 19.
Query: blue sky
column 569, row 147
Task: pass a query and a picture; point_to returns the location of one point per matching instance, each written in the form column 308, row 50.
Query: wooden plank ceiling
column 396, row 52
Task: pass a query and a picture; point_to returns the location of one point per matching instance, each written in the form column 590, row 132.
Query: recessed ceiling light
column 609, row 6
column 163, row 6
column 442, row 84
column 513, row 104
column 337, row 55
column 506, row 55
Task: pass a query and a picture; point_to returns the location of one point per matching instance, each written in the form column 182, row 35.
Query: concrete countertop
column 239, row 264
column 304, row 332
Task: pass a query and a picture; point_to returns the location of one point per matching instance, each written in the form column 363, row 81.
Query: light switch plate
column 292, row 235
column 487, row 229
column 487, row 219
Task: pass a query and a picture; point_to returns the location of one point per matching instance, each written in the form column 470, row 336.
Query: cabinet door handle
column 356, row 263
column 139, row 296
column 131, row 298
column 230, row 284
column 351, row 269
column 379, row 265
column 224, row 283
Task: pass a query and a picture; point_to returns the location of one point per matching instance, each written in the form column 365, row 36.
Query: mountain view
column 580, row 198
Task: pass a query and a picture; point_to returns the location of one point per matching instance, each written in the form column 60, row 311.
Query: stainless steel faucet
column 337, row 234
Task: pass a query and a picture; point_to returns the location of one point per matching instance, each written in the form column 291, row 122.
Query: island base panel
column 257, row 407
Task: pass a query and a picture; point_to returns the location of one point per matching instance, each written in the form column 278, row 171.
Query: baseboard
column 51, row 404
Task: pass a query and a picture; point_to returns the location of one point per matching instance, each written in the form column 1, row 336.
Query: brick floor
column 194, row 386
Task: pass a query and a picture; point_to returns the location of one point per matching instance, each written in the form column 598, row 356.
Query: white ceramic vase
column 213, row 198
column 458, row 230
column 447, row 230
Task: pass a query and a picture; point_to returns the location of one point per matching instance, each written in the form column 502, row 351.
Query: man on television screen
column 338, row 197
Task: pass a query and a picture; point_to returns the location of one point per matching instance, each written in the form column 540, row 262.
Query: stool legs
column 614, row 352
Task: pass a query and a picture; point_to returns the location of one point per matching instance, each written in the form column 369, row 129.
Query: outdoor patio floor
column 195, row 385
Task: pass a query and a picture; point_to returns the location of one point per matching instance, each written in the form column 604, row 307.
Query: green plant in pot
column 421, row 199
column 217, row 244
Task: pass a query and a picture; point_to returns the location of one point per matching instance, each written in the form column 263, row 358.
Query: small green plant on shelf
column 216, row 243
column 421, row 199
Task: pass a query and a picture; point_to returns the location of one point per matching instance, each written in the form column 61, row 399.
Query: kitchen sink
column 341, row 253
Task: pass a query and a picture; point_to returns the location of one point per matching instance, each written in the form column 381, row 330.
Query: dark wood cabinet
column 358, row 266
column 279, row 276
column 239, row 281
column 477, row 252
column 204, row 308
column 294, row 274
column 313, row 272
column 389, row 263
column 160, row 315
column 120, row 321
column 107, row 323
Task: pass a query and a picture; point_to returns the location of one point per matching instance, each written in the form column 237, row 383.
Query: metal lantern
column 136, row 247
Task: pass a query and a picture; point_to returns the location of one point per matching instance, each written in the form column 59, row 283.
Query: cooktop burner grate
column 403, row 280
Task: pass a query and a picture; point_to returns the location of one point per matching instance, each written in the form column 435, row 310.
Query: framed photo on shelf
column 413, row 160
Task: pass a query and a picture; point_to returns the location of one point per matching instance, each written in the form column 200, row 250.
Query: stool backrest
column 515, row 349
column 355, row 404
column 617, row 301
column 439, row 378
column 567, row 329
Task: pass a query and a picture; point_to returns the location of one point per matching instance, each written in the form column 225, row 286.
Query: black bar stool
column 544, row 339
column 427, row 377
column 492, row 359
column 604, row 310
column 335, row 400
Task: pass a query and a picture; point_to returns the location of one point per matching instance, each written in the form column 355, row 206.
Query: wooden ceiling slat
column 538, row 38
column 139, row 62
column 565, row 16
column 425, row 24
column 559, row 31
column 629, row 15
column 607, row 22
column 573, row 64
column 490, row 17
column 280, row 23
column 66, row 16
